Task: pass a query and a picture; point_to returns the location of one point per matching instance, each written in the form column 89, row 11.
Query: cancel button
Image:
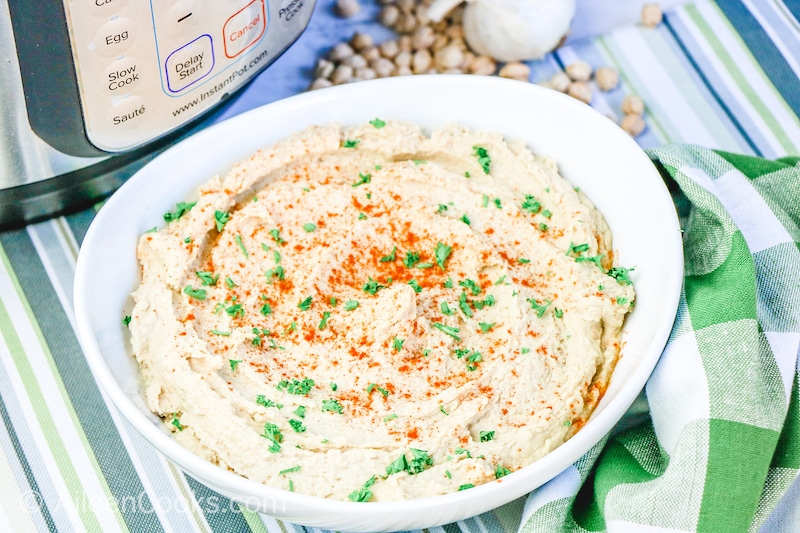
column 189, row 64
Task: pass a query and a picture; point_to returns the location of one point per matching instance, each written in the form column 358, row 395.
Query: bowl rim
column 517, row 483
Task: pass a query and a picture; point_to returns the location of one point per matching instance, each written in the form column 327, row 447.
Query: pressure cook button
column 115, row 36
column 189, row 64
column 104, row 8
column 129, row 113
column 244, row 28
column 122, row 75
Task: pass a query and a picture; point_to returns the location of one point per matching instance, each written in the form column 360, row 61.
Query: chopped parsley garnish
column 448, row 283
column 229, row 282
column 372, row 287
column 567, row 423
column 500, row 280
column 234, row 363
column 539, row 308
column 447, row 474
column 126, row 321
column 333, row 386
column 558, row 313
column 378, row 123
column 324, row 322
column 362, row 179
column 465, row 486
column 221, row 218
column 467, row 174
column 524, row 350
column 411, row 259
column 309, row 227
column 465, row 219
column 197, row 294
column 266, row 402
column 296, row 386
column 177, row 423
column 300, row 411
column 445, row 308
column 486, row 436
column 596, row 259
column 483, row 158
column 426, row 264
column 415, row 285
column 471, row 285
column 372, row 386
column 181, row 208
column 601, row 287
column 273, row 433
column 349, row 305
column 363, row 494
column 297, row 425
column 419, row 161
column 208, row 278
column 276, row 236
column 621, row 300
column 546, row 213
column 621, row 275
column 448, row 330
column 577, row 248
column 240, row 244
column 152, row 230
column 235, row 310
column 473, row 359
column 419, row 461
column 220, row 333
column 362, row 216
column 484, row 201
column 523, row 261
column 486, row 327
column 187, row 240
column 441, row 208
column 305, row 305
column 397, row 344
column 442, row 252
column 350, row 143
column 390, row 417
column 543, row 226
column 464, row 305
column 530, row 204
column 277, row 272
column 498, row 203
column 391, row 257
column 500, row 471
column 460, row 451
column 398, row 465
column 289, row 470
column 442, row 410
column 266, row 309
column 333, row 301
column 332, row 405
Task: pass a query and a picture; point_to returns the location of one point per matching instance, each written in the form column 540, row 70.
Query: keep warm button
column 189, row 64
column 244, row 28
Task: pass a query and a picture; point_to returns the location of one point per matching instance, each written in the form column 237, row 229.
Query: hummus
column 372, row 314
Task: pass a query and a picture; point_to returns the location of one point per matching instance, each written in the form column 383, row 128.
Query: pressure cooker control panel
column 145, row 68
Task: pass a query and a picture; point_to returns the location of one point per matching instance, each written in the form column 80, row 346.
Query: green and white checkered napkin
column 722, row 443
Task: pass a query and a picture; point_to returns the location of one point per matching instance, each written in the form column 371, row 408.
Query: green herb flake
column 276, row 236
column 363, row 494
column 309, row 227
column 181, row 208
column 197, row 294
column 273, row 433
column 442, row 208
column 471, row 285
column 177, row 423
column 220, row 333
column 350, row 305
column 300, row 411
column 484, row 201
column 332, row 405
column 297, row 425
column 323, row 323
column 486, row 436
column 621, row 275
column 372, row 287
column 289, row 470
column 350, row 143
column 448, row 283
column 530, row 204
column 234, row 363
column 543, row 226
column 229, row 282
column 188, row 240
column 415, row 285
column 207, row 278
column 266, row 402
column 498, row 203
column 463, row 304
column 420, row 162
column 397, row 344
column 390, row 417
column 558, row 313
column 443, row 411
column 577, row 249
column 523, row 261
column 501, row 280
column 448, row 330
column 445, row 308
column 378, row 123
column 442, row 253
column 391, row 257
column 465, row 219
column 601, row 287
column 524, row 350
column 486, row 327
column 305, row 305
column 235, row 310
column 539, row 308
column 362, row 179
column 467, row 174
column 465, row 486
column 266, row 309
column 126, row 321
column 596, row 259
column 333, row 386
column 547, row 213
column 277, row 272
column 501, row 471
column 411, row 259
column 221, row 218
column 398, row 465
column 240, row 244
column 483, row 158
column 621, row 300
column 296, row 386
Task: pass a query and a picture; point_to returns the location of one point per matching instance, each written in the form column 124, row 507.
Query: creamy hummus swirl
column 374, row 314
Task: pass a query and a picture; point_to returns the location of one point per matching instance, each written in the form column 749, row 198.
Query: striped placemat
column 718, row 74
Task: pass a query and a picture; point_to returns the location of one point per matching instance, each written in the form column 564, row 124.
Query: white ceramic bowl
column 592, row 152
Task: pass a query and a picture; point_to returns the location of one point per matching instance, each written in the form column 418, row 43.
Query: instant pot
column 92, row 89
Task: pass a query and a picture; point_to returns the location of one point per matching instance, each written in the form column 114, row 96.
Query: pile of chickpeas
column 425, row 47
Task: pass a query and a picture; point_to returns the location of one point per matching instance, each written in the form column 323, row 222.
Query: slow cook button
column 115, row 36
column 129, row 113
column 122, row 75
column 244, row 28
column 189, row 63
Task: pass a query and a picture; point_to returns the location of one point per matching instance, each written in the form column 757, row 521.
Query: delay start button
column 189, row 64
column 244, row 28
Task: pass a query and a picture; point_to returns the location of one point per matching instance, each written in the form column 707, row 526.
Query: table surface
column 719, row 74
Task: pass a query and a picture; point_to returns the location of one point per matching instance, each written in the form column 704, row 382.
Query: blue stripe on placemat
column 794, row 7
column 221, row 513
column 763, row 48
column 95, row 420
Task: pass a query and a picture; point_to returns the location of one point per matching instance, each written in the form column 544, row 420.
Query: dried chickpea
column 389, row 16
column 482, row 65
column 403, row 71
column 516, row 71
column 371, row 54
column 559, row 82
column 383, row 67
column 579, row 71
column 342, row 74
column 423, row 37
column 320, row 83
column 449, row 57
column 361, row 41
column 652, row 15
column 403, row 59
column 632, row 105
column 324, row 68
column 406, row 23
column 421, row 62
column 580, row 90
column 389, row 49
column 606, row 78
column 404, row 43
column 633, row 125
column 355, row 61
column 340, row 52
column 346, row 8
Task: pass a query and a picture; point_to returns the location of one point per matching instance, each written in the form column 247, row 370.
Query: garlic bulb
column 511, row 30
